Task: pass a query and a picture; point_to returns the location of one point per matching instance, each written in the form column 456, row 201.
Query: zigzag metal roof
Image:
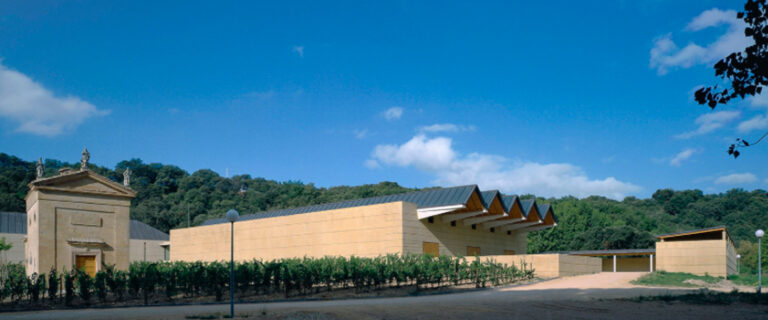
column 527, row 205
column 509, row 201
column 423, row 199
column 487, row 197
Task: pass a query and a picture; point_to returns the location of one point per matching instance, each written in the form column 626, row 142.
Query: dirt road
column 582, row 297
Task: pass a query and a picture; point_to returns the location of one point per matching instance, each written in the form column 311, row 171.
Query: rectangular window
column 431, row 248
column 166, row 253
column 473, row 251
column 509, row 252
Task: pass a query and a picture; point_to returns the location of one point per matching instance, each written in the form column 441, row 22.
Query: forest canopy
column 167, row 193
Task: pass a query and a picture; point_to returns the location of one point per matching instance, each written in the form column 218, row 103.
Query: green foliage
column 84, row 285
column 708, row 298
column 69, row 287
column 4, row 246
column 53, row 284
column 167, row 193
column 35, row 285
column 100, row 285
column 597, row 223
column 291, row 277
column 16, row 281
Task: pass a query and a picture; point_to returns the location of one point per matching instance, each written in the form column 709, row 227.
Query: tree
column 746, row 71
column 5, row 246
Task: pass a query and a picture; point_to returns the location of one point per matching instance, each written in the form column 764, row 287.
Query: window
column 166, row 253
column 493, row 229
column 431, row 219
column 474, row 227
column 473, row 251
column 509, row 233
column 453, row 223
column 509, row 252
column 431, row 248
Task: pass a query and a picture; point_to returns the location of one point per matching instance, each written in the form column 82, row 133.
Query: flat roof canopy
column 615, row 252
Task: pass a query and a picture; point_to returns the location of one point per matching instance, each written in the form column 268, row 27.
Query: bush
column 35, row 285
column 292, row 276
column 69, row 287
column 53, row 285
column 84, row 286
column 100, row 285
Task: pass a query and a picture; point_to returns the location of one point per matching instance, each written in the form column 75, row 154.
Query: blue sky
column 551, row 98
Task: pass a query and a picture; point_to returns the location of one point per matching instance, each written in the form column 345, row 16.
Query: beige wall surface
column 697, row 257
column 362, row 231
column 147, row 250
column 64, row 216
column 553, row 265
column 16, row 253
column 454, row 241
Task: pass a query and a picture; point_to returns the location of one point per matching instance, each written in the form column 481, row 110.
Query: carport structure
column 622, row 260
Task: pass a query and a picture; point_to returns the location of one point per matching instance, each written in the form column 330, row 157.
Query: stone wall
column 361, row 231
column 553, row 265
column 697, row 257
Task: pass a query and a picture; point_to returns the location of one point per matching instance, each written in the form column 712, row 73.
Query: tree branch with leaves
column 746, row 71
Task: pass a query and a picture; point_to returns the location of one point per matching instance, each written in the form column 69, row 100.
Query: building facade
column 458, row 221
column 703, row 251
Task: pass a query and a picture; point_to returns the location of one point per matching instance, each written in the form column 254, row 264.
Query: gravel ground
column 580, row 297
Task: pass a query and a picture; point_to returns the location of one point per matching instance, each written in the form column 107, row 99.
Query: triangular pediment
column 84, row 181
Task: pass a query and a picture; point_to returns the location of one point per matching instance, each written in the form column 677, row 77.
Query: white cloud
column 736, row 178
column 445, row 127
column 682, row 156
column 437, row 156
column 361, row 134
column 393, row 113
column 36, row 109
column 665, row 54
column 710, row 122
column 759, row 101
column 759, row 122
column 299, row 50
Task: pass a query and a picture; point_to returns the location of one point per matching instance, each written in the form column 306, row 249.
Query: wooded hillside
column 166, row 193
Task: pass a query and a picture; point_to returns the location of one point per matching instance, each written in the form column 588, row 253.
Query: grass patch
column 707, row 297
column 673, row 279
column 747, row 279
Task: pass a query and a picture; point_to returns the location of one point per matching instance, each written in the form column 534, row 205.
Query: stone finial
column 127, row 177
column 40, row 168
column 84, row 159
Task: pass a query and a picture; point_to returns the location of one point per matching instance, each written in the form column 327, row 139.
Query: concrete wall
column 697, row 257
column 16, row 253
column 553, row 265
column 454, row 241
column 362, row 231
column 58, row 217
column 147, row 250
